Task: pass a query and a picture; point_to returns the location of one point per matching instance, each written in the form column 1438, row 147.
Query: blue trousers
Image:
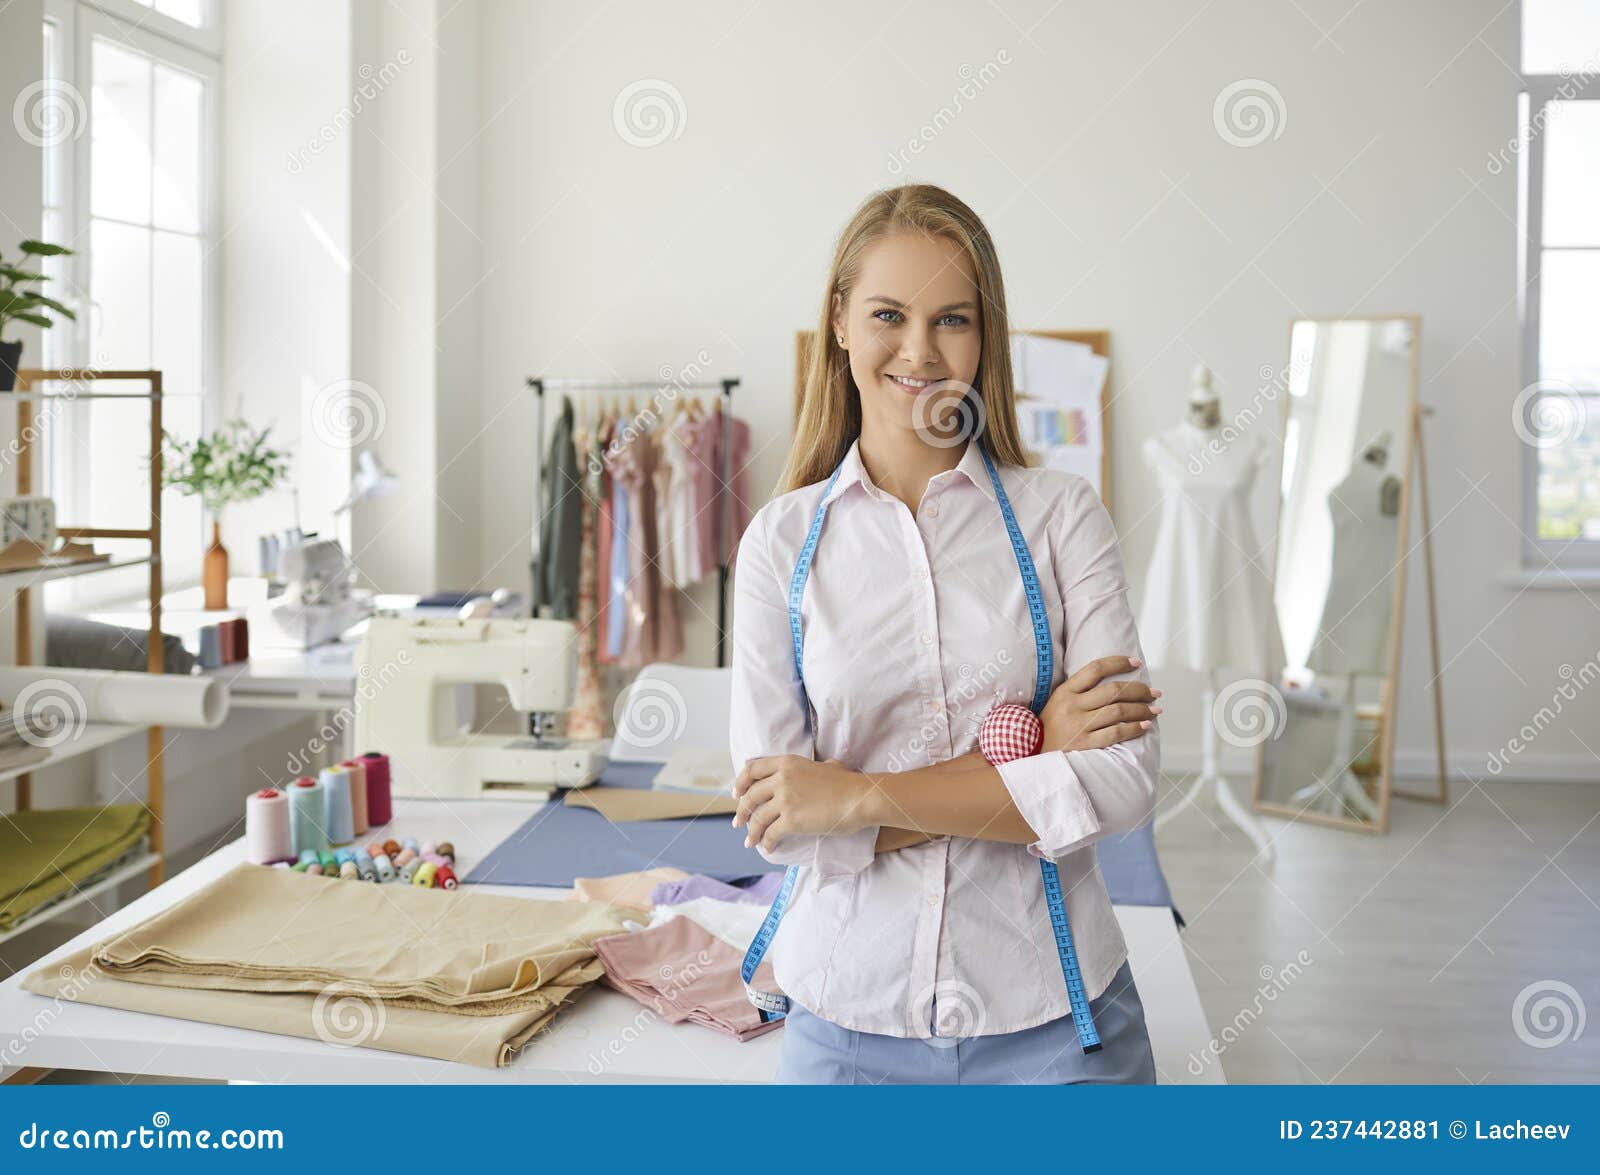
column 818, row 1052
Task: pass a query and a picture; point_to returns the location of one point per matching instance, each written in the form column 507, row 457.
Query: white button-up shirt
column 914, row 627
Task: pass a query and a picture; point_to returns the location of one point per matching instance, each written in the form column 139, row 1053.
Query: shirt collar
column 853, row 472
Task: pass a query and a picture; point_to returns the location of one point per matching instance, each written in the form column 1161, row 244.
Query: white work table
column 604, row 1037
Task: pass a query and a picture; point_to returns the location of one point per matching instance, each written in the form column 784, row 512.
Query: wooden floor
column 1420, row 942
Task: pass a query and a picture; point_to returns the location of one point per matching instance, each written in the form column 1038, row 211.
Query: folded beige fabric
column 344, row 1020
column 275, row 930
column 621, row 804
column 456, row 975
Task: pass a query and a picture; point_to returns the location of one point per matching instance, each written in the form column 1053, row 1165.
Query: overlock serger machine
column 408, row 671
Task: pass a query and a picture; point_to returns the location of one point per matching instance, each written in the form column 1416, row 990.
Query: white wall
column 1091, row 150
column 286, row 273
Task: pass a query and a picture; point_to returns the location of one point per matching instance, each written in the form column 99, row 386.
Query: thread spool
column 314, row 870
column 391, row 847
column 380, row 808
column 384, row 866
column 423, row 877
column 266, row 827
column 349, row 872
column 404, row 857
column 373, row 849
column 410, row 842
column 343, row 855
column 305, row 815
column 308, row 856
column 300, row 866
column 358, row 795
column 366, row 868
column 435, row 859
column 447, row 849
column 408, row 871
column 445, row 877
column 427, row 847
column 338, row 819
column 329, row 863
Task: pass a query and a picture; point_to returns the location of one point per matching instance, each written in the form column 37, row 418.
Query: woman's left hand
column 786, row 795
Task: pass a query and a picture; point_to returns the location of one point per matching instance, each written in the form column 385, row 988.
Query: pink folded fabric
column 681, row 972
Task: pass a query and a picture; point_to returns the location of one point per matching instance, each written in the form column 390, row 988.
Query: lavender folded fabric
column 682, row 972
column 758, row 890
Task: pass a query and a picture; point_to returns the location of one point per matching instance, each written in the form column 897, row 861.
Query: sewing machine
column 319, row 601
column 407, row 671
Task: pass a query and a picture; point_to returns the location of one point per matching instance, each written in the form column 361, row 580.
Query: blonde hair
column 830, row 409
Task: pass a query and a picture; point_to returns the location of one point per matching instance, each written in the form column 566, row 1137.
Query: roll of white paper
column 99, row 695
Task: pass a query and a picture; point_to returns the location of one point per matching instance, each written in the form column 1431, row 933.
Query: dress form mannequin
column 1207, row 604
column 1353, row 635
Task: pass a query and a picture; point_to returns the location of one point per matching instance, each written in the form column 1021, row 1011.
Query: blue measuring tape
column 773, row 1006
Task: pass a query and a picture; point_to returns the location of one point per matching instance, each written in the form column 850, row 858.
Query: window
column 1557, row 414
column 131, row 190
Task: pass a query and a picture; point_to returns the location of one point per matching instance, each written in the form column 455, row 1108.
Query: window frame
column 179, row 47
column 1538, row 91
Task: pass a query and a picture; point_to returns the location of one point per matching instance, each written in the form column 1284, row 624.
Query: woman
column 916, row 940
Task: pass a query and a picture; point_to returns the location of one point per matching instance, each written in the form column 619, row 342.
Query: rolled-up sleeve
column 1073, row 798
column 769, row 712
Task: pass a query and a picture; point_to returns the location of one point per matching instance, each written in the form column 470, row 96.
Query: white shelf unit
column 84, row 384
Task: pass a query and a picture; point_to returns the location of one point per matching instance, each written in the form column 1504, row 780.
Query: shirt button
column 933, row 510
column 933, row 703
column 927, row 638
column 933, row 900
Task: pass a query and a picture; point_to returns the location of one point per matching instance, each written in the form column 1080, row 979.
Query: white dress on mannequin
column 1207, row 604
column 1353, row 635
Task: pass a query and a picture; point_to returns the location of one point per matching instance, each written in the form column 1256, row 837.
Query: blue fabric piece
column 558, row 844
column 617, row 589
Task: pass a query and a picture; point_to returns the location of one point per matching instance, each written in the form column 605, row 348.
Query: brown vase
column 215, row 572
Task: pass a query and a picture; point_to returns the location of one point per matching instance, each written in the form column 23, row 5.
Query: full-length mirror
column 1340, row 572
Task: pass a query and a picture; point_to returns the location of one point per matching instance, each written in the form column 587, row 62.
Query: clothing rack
column 542, row 384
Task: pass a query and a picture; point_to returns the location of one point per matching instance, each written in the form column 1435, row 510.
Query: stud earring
column 841, row 340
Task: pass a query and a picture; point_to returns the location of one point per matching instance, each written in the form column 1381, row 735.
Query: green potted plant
column 19, row 300
column 234, row 464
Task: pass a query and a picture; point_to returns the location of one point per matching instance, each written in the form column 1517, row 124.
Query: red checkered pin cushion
column 1010, row 732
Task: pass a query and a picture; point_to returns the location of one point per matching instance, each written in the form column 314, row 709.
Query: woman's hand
column 1086, row 712
column 786, row 795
